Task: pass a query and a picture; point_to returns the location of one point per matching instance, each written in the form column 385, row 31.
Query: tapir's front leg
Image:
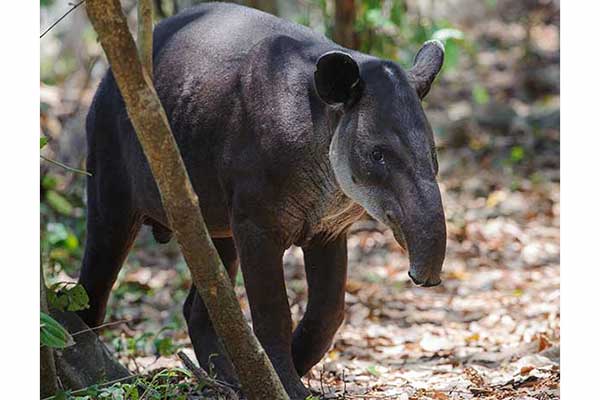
column 261, row 261
column 325, row 264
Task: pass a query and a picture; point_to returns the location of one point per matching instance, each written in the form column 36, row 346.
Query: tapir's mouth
column 424, row 272
column 400, row 238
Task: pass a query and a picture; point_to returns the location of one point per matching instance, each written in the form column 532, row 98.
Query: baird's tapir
column 288, row 139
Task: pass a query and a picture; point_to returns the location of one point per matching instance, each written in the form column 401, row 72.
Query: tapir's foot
column 209, row 352
column 224, row 371
column 213, row 359
column 296, row 390
column 223, row 368
column 287, row 374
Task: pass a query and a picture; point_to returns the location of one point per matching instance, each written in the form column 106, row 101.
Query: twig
column 78, row 171
column 203, row 377
column 61, row 18
column 99, row 327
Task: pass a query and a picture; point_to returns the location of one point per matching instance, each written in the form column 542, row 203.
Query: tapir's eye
column 377, row 156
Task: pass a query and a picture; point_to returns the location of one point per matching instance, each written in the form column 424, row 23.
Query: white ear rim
column 437, row 42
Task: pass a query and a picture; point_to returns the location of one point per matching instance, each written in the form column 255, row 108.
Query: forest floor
column 490, row 331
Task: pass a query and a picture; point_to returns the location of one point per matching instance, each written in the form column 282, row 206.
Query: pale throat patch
column 339, row 159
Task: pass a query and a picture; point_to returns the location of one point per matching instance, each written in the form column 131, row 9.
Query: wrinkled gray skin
column 288, row 138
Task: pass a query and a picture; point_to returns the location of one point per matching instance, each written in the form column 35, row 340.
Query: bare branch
column 254, row 369
column 65, row 166
column 61, row 18
column 203, row 377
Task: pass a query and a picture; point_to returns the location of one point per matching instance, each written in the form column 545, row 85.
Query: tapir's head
column 383, row 152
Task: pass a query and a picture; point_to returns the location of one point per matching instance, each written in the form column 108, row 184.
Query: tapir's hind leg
column 112, row 225
column 204, row 339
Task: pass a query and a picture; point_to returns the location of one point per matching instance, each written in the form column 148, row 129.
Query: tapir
column 288, row 138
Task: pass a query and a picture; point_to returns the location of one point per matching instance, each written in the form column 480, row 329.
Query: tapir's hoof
column 297, row 392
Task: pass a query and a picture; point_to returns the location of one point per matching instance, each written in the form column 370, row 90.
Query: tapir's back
column 221, row 30
column 198, row 53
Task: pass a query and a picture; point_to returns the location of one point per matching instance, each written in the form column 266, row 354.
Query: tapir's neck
column 332, row 211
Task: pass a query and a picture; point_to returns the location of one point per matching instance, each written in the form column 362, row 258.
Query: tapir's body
column 255, row 132
column 237, row 86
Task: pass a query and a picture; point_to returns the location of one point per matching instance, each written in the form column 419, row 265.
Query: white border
column 19, row 208
column 580, row 200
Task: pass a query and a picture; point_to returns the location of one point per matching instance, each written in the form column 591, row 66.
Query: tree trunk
column 179, row 5
column 343, row 29
column 254, row 369
column 145, row 14
column 269, row 6
column 48, row 383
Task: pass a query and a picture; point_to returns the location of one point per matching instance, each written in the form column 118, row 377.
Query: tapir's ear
column 337, row 78
column 427, row 64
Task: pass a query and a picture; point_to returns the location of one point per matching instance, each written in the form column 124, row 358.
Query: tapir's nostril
column 424, row 282
column 415, row 280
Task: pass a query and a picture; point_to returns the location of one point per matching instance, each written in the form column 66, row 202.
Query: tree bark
column 254, row 369
column 145, row 21
column 48, row 382
column 343, row 29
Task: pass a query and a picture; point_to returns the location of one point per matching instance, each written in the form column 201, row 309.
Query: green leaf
column 56, row 301
column 72, row 298
column 43, row 141
column 480, row 94
column 71, row 242
column 62, row 395
column 451, row 55
column 78, row 298
column 49, row 182
column 59, row 203
column 375, row 18
column 52, row 334
column 131, row 392
column 115, row 392
column 165, row 346
column 517, row 154
column 491, row 4
column 372, row 369
column 56, row 232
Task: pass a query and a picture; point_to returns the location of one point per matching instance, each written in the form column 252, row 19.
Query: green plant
column 166, row 384
column 61, row 200
column 69, row 296
column 159, row 343
column 52, row 334
column 389, row 29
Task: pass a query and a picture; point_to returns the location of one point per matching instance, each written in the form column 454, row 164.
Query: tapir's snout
column 419, row 226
